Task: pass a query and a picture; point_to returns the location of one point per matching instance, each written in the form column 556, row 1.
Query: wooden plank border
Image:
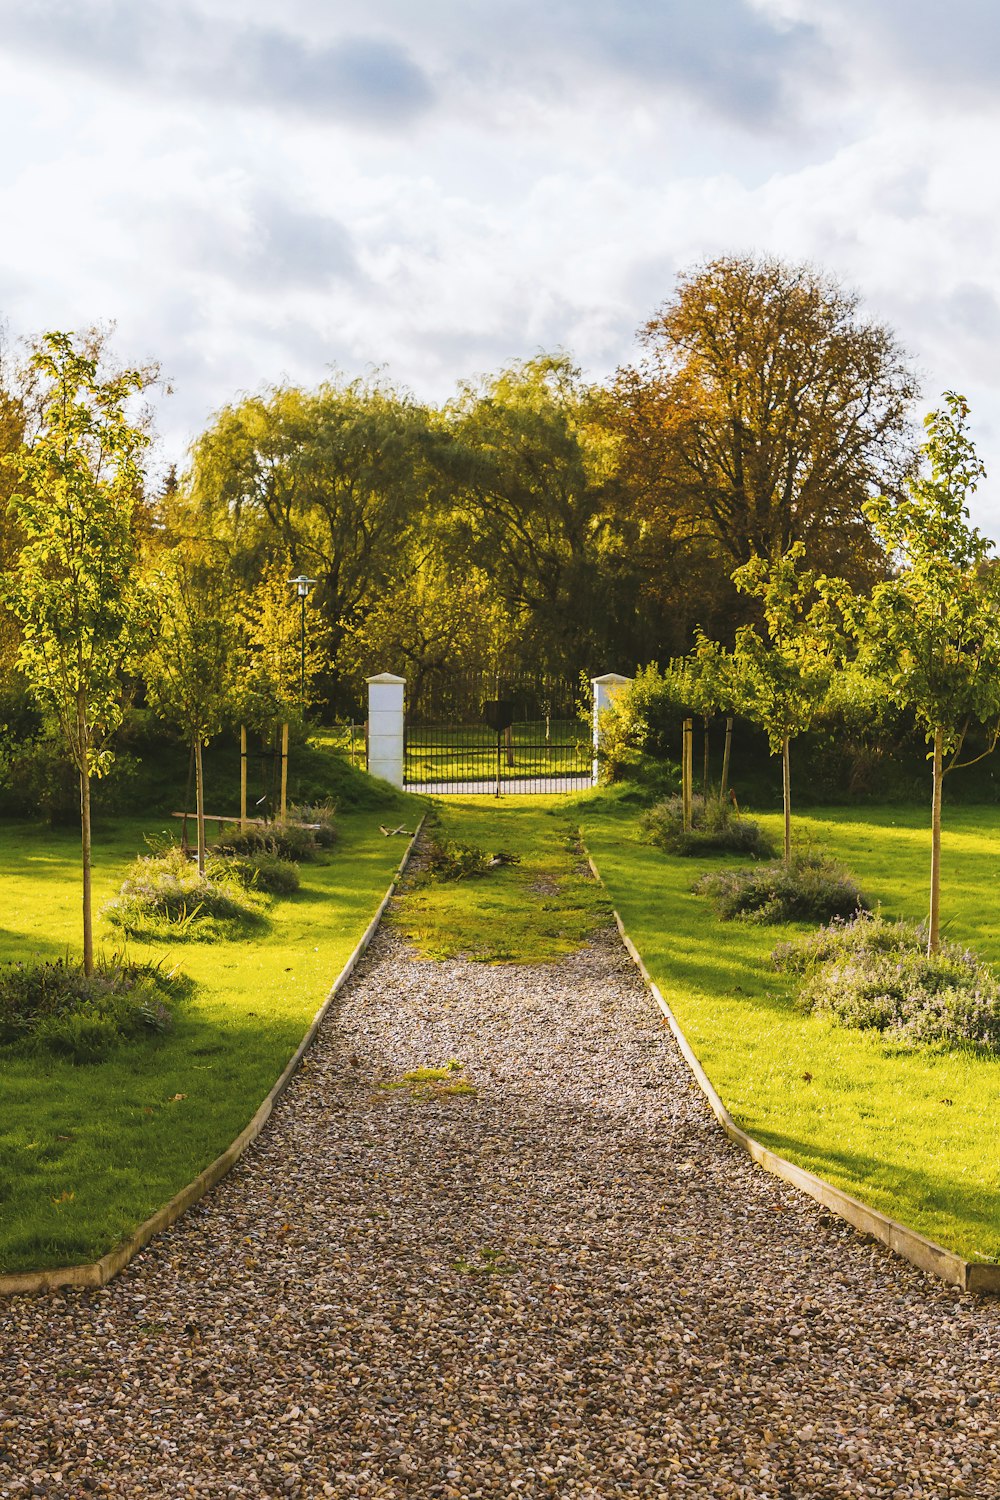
column 100, row 1272
column 971, row 1276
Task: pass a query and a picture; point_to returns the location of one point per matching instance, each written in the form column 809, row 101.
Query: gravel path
column 566, row 1283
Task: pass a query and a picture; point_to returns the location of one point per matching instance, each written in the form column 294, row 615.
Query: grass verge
column 88, row 1152
column 531, row 912
column 912, row 1132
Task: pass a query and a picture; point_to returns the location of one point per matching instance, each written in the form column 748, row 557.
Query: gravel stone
column 566, row 1283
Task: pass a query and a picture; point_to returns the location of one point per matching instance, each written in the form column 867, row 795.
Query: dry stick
column 243, row 777
column 284, row 770
column 725, row 756
column 786, row 787
column 88, row 916
column 199, row 787
column 934, row 925
column 687, row 769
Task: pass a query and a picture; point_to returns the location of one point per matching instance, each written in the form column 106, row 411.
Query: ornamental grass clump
column 281, row 840
column 811, row 888
column 871, row 974
column 255, row 872
column 716, row 827
column 163, row 895
column 321, row 818
column 56, row 1007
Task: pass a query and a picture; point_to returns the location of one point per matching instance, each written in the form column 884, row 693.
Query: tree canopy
column 768, row 409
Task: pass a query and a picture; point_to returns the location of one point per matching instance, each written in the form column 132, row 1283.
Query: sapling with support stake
column 930, row 635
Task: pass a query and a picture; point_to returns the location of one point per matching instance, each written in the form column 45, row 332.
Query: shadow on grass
column 98, row 1147
column 977, row 1209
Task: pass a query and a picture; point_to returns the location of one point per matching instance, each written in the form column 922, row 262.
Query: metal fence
column 491, row 735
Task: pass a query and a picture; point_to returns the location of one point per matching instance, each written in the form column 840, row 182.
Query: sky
column 255, row 193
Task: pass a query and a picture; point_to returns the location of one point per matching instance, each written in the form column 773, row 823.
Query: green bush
column 810, row 889
column 280, row 840
column 255, row 872
column 322, row 815
column 55, row 1007
column 163, row 895
column 716, row 827
column 449, row 860
column 876, row 975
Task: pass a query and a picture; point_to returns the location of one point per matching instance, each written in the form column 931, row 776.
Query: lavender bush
column 872, row 974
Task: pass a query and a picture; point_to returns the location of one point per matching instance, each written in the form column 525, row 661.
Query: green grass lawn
column 913, row 1133
column 88, row 1152
column 530, row 912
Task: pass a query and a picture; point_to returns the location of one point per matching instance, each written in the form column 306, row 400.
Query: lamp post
column 302, row 587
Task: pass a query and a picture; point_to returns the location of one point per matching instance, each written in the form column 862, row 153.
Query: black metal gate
column 492, row 735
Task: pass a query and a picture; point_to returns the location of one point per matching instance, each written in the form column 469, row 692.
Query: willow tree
column 74, row 589
column 931, row 633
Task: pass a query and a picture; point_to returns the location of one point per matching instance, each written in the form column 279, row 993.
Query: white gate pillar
column 385, row 727
column 606, row 689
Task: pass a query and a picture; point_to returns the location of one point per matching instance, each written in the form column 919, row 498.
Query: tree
column 784, row 671
column 280, row 661
column 930, row 634
column 434, row 621
column 196, row 663
column 334, row 478
column 74, row 589
column 768, row 410
column 532, row 465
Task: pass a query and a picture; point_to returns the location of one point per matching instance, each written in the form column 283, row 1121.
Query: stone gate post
column 385, row 727
column 605, row 689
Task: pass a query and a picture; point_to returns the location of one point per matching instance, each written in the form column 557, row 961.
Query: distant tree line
column 540, row 520
column 534, row 521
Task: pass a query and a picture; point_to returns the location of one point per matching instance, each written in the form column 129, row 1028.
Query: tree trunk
column 508, row 739
column 786, row 787
column 284, row 772
column 934, row 924
column 724, row 790
column 88, row 915
column 199, row 803
column 704, row 767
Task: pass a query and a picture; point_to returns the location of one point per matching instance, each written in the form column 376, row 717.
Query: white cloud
column 528, row 177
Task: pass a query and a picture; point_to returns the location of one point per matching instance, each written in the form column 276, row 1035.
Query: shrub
column 716, row 826
column 453, row 861
column 280, row 840
column 876, row 975
column 163, row 895
column 322, row 815
column 55, row 1007
column 255, row 872
column 810, row 889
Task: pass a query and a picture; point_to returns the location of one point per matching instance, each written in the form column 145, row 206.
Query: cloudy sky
column 256, row 192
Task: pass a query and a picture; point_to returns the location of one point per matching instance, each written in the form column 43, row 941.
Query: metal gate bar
column 489, row 735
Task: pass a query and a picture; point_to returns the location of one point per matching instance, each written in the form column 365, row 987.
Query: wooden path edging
column 100, row 1272
column 971, row 1276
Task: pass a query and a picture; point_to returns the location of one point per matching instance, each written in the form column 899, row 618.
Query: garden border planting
column 970, row 1276
column 99, row 1273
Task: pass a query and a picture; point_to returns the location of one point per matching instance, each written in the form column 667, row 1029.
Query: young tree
column 196, row 663
column 74, row 589
column 784, row 673
column 931, row 633
column 287, row 647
